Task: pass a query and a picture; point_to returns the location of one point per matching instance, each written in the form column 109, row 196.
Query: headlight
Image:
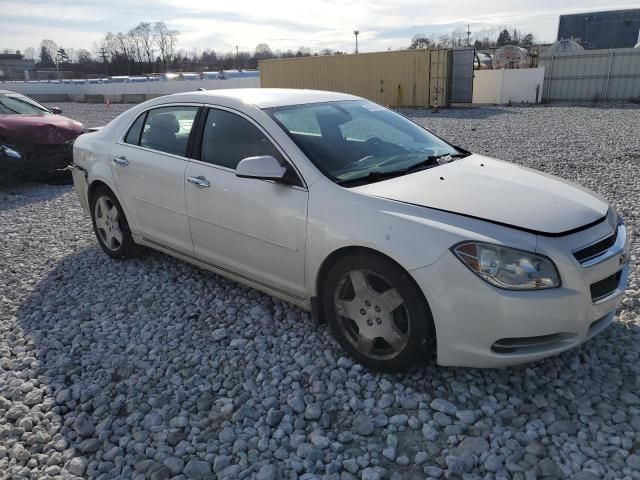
column 508, row 268
column 10, row 152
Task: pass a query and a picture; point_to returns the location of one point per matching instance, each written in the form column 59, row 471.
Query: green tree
column 504, row 38
column 527, row 41
column 46, row 60
column 62, row 56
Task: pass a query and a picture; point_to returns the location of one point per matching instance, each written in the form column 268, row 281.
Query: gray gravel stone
column 77, row 466
column 363, row 425
column 267, row 472
column 444, row 406
column 174, row 464
column 562, row 426
column 549, row 468
column 197, row 469
column 633, row 461
column 370, row 473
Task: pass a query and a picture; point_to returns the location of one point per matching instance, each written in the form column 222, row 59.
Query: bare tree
column 421, row 41
column 166, row 41
column 262, row 52
column 29, row 53
column 83, row 56
column 144, row 37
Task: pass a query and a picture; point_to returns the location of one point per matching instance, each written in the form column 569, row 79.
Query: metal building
column 408, row 78
column 592, row 75
column 600, row 30
column 14, row 67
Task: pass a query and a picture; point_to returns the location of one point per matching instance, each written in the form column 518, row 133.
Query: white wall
column 144, row 88
column 498, row 87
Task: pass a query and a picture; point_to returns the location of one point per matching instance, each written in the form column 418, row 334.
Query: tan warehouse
column 407, row 78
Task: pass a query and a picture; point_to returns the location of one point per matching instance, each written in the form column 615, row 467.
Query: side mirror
column 56, row 110
column 263, row 167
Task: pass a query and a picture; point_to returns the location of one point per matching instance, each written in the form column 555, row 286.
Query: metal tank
column 565, row 46
column 482, row 61
column 510, row 56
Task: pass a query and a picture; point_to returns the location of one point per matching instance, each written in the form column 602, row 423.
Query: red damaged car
column 34, row 140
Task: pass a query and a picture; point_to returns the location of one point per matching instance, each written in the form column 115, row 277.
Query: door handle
column 199, row 181
column 122, row 161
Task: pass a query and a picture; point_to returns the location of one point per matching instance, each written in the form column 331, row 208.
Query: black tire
column 125, row 249
column 416, row 321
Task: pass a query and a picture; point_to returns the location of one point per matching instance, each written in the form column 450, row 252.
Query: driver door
column 253, row 228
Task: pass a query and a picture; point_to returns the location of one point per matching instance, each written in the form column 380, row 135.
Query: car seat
column 161, row 134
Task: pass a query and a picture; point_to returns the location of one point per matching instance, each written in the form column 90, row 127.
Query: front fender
column 412, row 236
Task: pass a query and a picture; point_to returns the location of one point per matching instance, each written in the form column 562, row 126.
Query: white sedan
column 403, row 243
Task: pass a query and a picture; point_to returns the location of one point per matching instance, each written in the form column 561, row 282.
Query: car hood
column 499, row 192
column 39, row 129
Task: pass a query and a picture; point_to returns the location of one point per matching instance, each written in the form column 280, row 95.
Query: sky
column 283, row 25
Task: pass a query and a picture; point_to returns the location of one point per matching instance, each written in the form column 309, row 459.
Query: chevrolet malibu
column 406, row 245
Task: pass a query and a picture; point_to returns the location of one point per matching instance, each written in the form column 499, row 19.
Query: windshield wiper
column 373, row 176
column 434, row 161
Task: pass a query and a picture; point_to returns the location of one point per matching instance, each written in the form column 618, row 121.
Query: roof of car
column 273, row 97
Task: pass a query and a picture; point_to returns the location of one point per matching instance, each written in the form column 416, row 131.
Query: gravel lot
column 156, row 369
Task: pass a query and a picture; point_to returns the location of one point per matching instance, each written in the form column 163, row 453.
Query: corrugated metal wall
column 400, row 78
column 594, row 75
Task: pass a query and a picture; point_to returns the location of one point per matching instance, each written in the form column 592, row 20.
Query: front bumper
column 37, row 159
column 478, row 325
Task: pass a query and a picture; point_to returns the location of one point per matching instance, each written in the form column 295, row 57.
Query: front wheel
column 377, row 313
column 110, row 225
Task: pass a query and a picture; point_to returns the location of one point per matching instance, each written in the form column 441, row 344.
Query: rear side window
column 133, row 135
column 228, row 138
column 167, row 129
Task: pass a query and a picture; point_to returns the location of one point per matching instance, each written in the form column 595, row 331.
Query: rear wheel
column 377, row 313
column 110, row 225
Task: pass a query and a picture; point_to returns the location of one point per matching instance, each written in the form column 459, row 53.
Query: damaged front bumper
column 35, row 159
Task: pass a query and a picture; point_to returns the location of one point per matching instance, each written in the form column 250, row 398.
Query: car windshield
column 358, row 141
column 17, row 104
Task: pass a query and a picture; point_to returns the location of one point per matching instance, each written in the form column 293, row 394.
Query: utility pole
column 468, row 36
column 356, row 33
column 237, row 59
column 103, row 55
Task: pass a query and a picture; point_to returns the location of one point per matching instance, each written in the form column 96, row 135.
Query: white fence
column 593, row 75
column 500, row 87
column 116, row 91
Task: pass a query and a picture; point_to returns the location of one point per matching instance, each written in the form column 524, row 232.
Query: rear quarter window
column 133, row 135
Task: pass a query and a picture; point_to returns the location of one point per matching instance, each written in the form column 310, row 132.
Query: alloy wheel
column 372, row 314
column 108, row 223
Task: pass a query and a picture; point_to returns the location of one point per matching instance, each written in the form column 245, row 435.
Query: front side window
column 21, row 105
column 228, row 138
column 358, row 140
column 167, row 129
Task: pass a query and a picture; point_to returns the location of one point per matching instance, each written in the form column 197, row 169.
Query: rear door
column 148, row 166
column 253, row 228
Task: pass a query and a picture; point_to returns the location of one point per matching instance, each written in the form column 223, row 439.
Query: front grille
column 596, row 249
column 605, row 287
